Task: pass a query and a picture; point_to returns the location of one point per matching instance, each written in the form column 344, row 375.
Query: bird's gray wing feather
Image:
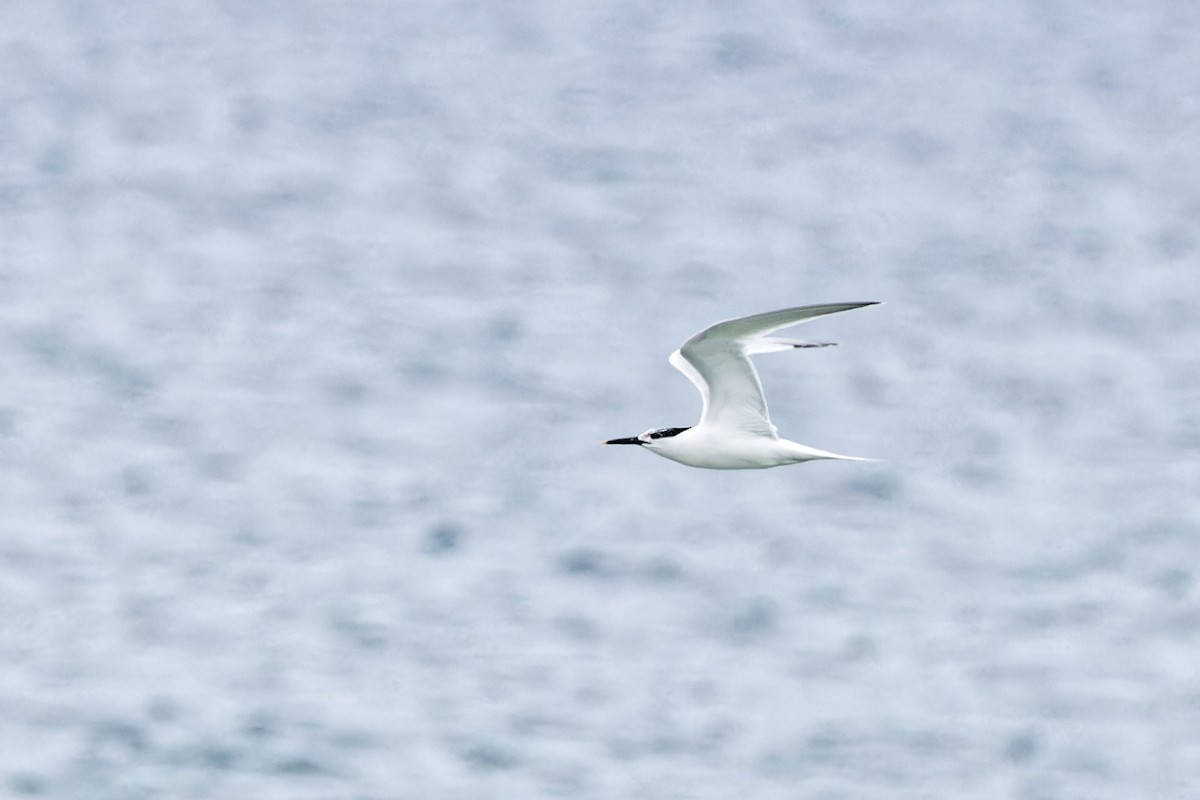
column 716, row 360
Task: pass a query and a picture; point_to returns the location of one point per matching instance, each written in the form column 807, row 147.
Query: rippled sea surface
column 313, row 314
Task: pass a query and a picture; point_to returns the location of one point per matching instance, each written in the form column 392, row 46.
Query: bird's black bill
column 630, row 440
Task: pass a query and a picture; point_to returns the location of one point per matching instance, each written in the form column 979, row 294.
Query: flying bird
column 735, row 431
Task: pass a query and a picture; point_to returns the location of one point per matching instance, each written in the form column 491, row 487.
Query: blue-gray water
column 313, row 314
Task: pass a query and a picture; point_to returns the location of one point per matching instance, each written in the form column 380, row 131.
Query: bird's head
column 650, row 437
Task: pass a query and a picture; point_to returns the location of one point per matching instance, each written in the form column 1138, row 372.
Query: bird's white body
column 735, row 431
column 701, row 447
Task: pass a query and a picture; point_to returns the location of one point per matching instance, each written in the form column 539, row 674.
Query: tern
column 735, row 431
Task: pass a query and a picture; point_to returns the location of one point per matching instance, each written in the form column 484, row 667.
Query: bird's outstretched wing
column 717, row 360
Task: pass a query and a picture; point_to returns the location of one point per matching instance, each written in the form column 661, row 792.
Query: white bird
column 735, row 431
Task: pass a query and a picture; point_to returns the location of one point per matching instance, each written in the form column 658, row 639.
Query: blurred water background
column 312, row 315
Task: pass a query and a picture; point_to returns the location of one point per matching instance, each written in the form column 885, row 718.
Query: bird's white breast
column 720, row 450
